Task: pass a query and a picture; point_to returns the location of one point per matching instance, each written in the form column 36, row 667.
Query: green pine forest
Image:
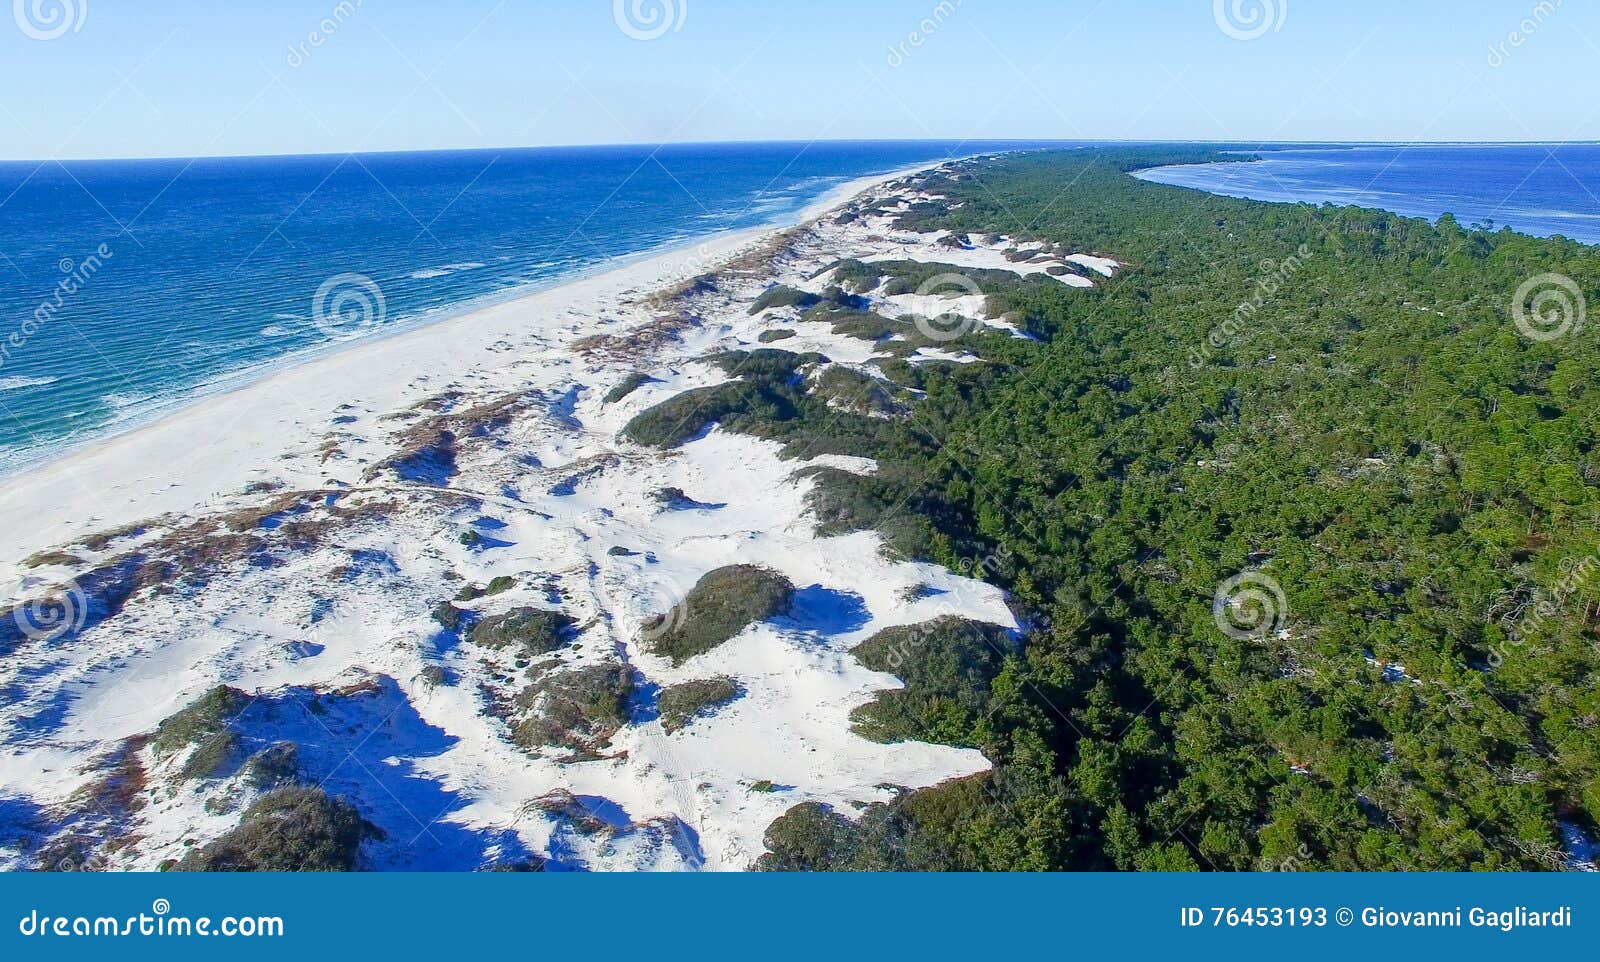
column 1372, row 433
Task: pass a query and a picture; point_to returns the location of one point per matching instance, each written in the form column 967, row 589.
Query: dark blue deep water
column 159, row 280
column 1539, row 190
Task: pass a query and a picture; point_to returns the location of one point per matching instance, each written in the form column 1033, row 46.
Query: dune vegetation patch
column 721, row 605
column 531, row 632
column 916, row 832
column 496, row 586
column 771, row 397
column 850, row 390
column 782, row 296
column 428, row 450
column 206, row 726
column 947, row 666
column 629, row 384
column 297, row 829
column 681, row 704
column 578, row 710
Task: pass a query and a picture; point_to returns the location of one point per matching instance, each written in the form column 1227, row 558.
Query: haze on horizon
column 180, row 78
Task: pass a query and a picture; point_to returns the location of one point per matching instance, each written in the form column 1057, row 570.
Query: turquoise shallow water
column 129, row 286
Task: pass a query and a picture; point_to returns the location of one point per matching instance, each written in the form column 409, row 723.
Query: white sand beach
column 294, row 539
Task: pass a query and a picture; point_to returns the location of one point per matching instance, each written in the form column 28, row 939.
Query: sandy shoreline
column 218, row 444
column 460, row 543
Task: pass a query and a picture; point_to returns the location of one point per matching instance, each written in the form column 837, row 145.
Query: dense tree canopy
column 1334, row 400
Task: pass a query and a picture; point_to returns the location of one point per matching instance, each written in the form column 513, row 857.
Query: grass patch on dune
column 782, row 296
column 721, row 605
column 578, row 710
column 631, row 383
column 863, row 325
column 206, row 725
column 851, row 390
column 45, row 559
column 769, row 398
column 497, row 586
column 448, row 615
column 681, row 704
column 531, row 631
column 289, row 830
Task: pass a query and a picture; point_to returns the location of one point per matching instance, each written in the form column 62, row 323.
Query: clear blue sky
column 202, row 77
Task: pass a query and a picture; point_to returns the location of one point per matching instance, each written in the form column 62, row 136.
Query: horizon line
column 1264, row 144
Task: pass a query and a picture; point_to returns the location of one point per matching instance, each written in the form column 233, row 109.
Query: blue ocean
column 127, row 287
column 1544, row 190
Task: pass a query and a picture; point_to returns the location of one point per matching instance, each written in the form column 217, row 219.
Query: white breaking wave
column 446, row 270
column 18, row 383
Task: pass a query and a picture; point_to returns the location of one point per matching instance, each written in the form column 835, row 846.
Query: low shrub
column 532, row 631
column 721, row 605
column 781, row 296
column 631, row 383
column 206, row 726
column 289, row 830
column 498, row 586
column 681, row 704
column 578, row 710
